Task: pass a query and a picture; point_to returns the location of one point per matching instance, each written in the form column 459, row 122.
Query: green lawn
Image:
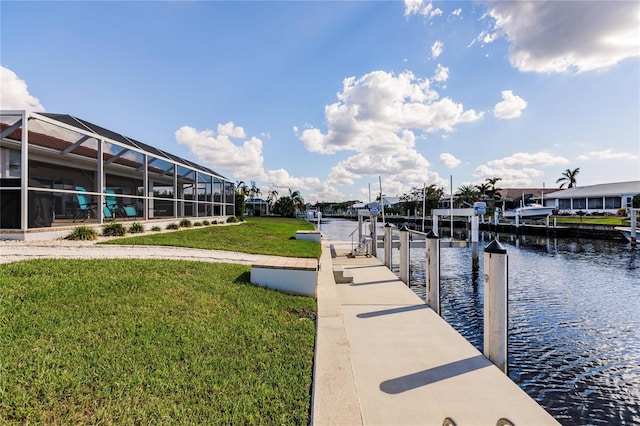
column 604, row 220
column 258, row 235
column 151, row 342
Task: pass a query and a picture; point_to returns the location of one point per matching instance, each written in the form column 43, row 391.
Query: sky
column 330, row 98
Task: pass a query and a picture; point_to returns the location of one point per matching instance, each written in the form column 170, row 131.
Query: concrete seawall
column 383, row 357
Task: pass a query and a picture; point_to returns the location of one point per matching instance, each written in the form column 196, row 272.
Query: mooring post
column 404, row 254
column 388, row 245
column 634, row 234
column 496, row 283
column 432, row 243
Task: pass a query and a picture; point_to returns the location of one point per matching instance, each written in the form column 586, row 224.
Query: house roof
column 515, row 193
column 87, row 127
column 601, row 190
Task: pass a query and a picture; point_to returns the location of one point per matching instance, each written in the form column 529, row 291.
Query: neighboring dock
column 383, row 357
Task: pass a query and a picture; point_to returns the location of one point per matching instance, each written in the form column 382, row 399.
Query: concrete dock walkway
column 384, row 358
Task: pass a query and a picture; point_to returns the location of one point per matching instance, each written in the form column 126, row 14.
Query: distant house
column 514, row 197
column 256, row 206
column 605, row 198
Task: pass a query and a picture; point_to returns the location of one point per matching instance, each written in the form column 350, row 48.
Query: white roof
column 615, row 189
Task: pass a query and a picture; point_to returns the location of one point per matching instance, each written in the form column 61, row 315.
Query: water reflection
column 574, row 344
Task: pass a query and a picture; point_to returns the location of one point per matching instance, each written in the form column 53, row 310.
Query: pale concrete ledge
column 309, row 236
column 287, row 274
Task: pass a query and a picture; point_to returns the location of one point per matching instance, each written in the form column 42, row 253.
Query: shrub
column 136, row 228
column 173, row 226
column 156, row 228
column 185, row 223
column 206, row 222
column 113, row 230
column 622, row 212
column 231, row 219
column 197, row 223
column 82, row 233
column 215, row 222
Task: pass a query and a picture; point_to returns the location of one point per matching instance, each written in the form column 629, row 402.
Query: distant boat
column 530, row 211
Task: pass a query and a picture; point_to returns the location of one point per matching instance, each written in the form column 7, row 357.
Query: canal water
column 574, row 318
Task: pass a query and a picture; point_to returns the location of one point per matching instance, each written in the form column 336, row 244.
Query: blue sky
column 326, row 97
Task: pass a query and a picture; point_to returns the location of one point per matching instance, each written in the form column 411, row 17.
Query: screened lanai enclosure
column 57, row 171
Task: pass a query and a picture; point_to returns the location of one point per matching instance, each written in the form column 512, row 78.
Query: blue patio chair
column 85, row 208
column 111, row 204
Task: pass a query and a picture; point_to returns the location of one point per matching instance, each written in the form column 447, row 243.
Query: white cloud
column 607, row 154
column 243, row 161
column 418, row 7
column 524, row 159
column 558, row 36
column 14, row 93
column 441, row 74
column 230, row 129
column 457, row 12
column 220, row 153
column 378, row 113
column 510, row 177
column 437, row 48
column 449, row 161
column 510, row 107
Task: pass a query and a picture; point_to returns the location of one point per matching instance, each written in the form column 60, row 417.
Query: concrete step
column 341, row 275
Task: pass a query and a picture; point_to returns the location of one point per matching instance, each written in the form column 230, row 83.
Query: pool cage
column 58, row 171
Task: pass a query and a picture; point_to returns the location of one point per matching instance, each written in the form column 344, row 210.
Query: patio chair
column 84, row 208
column 111, row 204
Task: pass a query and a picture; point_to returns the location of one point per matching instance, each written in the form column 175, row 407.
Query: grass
column 258, row 235
column 150, row 342
column 606, row 220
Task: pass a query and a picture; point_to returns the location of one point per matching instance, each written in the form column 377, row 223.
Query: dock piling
column 404, row 254
column 432, row 269
column 496, row 283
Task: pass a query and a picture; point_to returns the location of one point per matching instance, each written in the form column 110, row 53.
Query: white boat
column 530, row 211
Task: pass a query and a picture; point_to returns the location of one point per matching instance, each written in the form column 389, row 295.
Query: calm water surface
column 574, row 319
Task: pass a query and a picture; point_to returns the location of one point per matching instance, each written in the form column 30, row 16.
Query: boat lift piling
column 496, row 284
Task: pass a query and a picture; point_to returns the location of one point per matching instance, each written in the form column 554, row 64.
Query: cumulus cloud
column 525, row 159
column 559, row 36
column 419, row 7
column 457, row 12
column 379, row 117
column 607, row 154
column 510, row 107
column 437, row 48
column 520, row 168
column 14, row 92
column 220, row 153
column 379, row 112
column 510, row 176
column 230, row 129
column 441, row 74
column 449, row 161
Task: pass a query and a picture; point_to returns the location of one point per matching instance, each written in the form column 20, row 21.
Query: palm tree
column 271, row 198
column 493, row 193
column 569, row 176
column 242, row 188
column 297, row 199
column 483, row 188
column 467, row 194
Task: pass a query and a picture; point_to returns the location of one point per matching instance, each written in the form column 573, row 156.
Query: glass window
column 579, row 203
column 595, row 203
column 612, row 202
column 564, row 204
column 186, row 183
